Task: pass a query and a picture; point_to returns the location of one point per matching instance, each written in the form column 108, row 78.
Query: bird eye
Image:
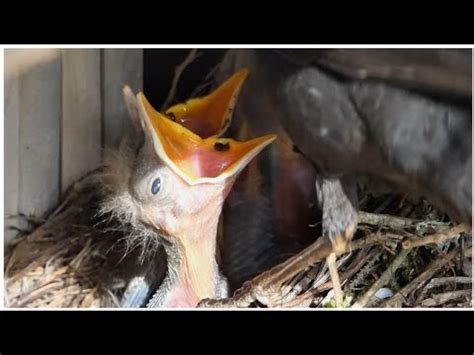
column 156, row 186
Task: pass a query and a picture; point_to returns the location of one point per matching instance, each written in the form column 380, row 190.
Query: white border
column 2, row 210
column 224, row 46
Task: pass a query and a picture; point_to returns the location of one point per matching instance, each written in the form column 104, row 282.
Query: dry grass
column 76, row 258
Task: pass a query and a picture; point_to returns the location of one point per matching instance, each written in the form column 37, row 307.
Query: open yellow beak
column 198, row 160
column 210, row 115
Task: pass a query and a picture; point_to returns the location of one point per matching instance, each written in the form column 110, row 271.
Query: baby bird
column 174, row 183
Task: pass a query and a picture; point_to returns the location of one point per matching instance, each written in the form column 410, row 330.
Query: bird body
column 379, row 128
column 401, row 118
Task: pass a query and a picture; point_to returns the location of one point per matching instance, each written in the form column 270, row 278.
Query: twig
column 88, row 299
column 388, row 221
column 369, row 268
column 446, row 280
column 346, row 276
column 377, row 219
column 177, row 75
column 439, row 299
column 435, row 238
column 78, row 259
column 382, row 281
column 372, row 239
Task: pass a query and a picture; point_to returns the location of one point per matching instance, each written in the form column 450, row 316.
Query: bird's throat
column 195, row 274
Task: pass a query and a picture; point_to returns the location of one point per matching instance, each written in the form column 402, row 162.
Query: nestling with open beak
column 177, row 183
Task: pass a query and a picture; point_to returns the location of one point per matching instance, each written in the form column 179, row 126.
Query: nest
column 79, row 258
column 410, row 256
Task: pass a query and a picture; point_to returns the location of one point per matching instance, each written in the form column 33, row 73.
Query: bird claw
column 339, row 243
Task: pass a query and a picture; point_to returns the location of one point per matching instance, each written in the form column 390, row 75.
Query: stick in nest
column 435, row 238
column 395, row 222
column 439, row 299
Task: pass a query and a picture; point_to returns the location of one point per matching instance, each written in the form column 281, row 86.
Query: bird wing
column 439, row 71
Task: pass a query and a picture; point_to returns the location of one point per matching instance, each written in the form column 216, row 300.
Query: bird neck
column 192, row 266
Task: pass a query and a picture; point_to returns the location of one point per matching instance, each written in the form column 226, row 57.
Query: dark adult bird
column 401, row 117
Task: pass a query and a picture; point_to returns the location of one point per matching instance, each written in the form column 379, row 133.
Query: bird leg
column 338, row 198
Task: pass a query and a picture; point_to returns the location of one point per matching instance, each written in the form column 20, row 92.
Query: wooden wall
column 62, row 107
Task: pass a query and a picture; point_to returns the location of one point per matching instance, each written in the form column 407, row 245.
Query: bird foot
column 339, row 242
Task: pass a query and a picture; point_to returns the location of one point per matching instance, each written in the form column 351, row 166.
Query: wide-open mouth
column 197, row 160
column 210, row 115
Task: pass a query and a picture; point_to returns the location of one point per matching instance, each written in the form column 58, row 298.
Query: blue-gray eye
column 156, row 186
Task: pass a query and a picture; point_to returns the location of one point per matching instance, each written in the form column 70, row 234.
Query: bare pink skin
column 196, row 275
column 189, row 215
column 181, row 295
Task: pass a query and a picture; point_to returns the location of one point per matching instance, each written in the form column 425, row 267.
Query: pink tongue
column 208, row 164
column 198, row 126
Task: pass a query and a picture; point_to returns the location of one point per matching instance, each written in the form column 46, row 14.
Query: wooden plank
column 39, row 112
column 120, row 67
column 11, row 146
column 81, row 114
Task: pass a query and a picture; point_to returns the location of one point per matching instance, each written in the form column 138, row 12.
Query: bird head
column 180, row 174
column 184, row 171
column 184, row 166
